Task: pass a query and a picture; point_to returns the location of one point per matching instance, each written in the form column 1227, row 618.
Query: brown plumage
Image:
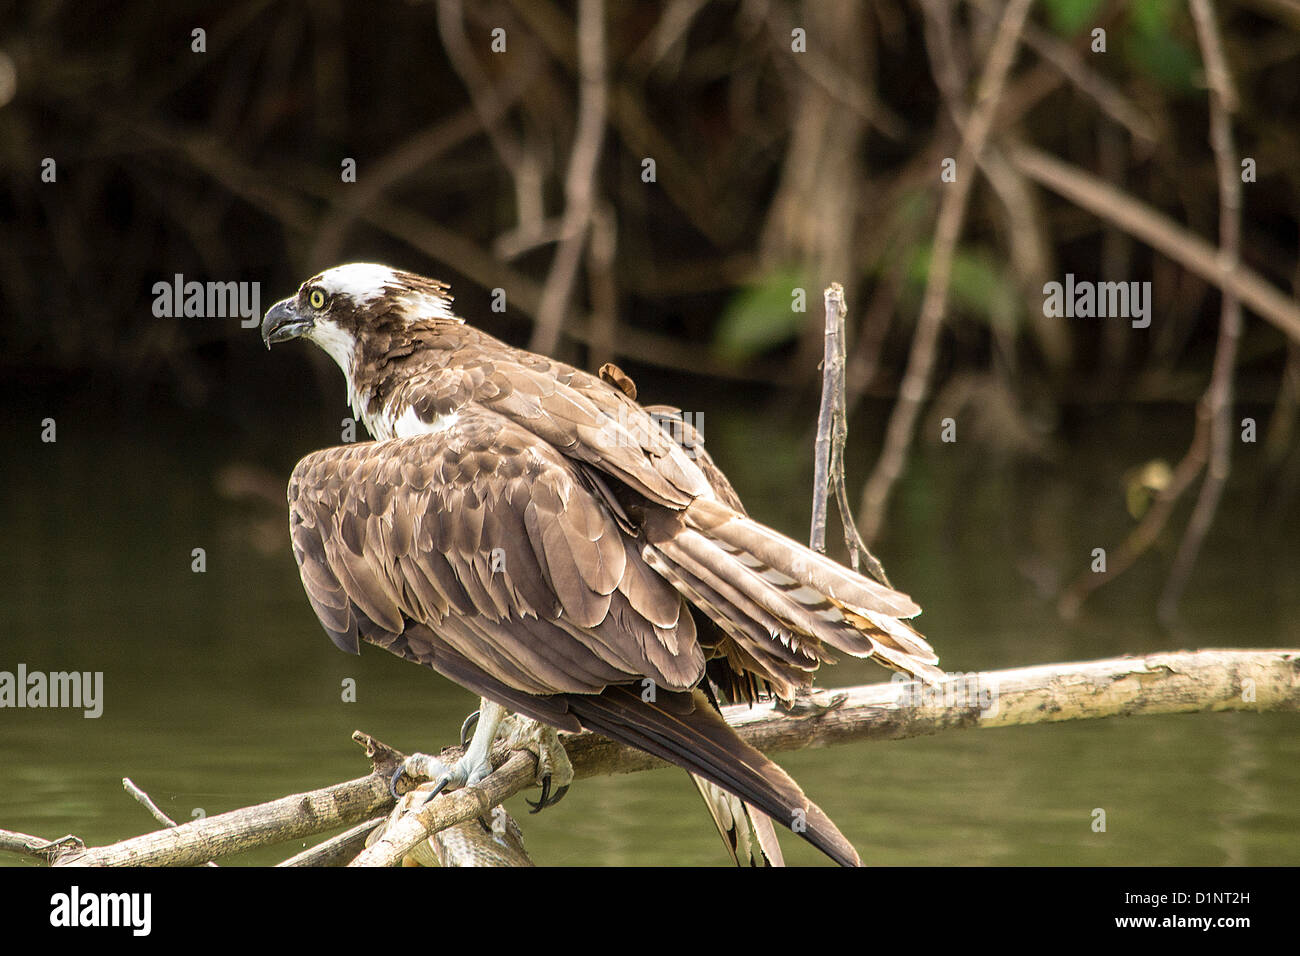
column 531, row 532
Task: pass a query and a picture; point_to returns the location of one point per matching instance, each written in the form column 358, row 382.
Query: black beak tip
column 282, row 323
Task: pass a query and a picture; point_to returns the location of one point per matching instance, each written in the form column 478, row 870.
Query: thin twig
column 832, row 433
column 1148, row 529
column 146, row 801
column 952, row 213
column 1218, row 396
column 580, row 183
column 11, row 841
column 835, row 309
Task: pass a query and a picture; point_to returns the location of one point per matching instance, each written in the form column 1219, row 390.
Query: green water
column 221, row 690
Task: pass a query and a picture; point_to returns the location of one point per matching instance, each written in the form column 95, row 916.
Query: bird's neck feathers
column 377, row 364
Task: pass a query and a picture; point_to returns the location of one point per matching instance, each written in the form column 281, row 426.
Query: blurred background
column 653, row 184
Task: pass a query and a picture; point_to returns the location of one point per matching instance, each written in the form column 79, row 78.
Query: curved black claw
column 547, row 799
column 397, row 775
column 467, row 728
column 392, row 782
column 546, row 792
column 435, row 791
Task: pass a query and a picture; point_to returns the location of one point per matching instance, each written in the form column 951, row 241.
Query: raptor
column 534, row 534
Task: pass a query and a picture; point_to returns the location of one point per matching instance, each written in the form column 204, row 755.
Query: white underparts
column 409, row 423
column 339, row 345
column 386, row 425
column 336, row 343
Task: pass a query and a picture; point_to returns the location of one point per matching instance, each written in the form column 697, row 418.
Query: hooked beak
column 283, row 322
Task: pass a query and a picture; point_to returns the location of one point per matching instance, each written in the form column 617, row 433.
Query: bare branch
column 518, row 773
column 12, row 841
column 952, row 214
column 337, row 850
column 1159, row 231
column 1218, row 396
column 831, row 373
column 580, row 183
column 1177, row 683
column 288, row 818
column 143, row 799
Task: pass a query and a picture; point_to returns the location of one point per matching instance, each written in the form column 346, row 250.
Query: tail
column 684, row 729
column 778, row 599
column 748, row 834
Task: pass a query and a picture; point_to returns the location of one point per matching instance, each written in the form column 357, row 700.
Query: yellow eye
column 316, row 298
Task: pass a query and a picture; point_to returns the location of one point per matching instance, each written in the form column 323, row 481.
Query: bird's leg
column 554, row 771
column 470, row 769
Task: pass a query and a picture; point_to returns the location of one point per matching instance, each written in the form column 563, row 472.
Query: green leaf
column 761, row 317
column 1164, row 59
column 977, row 284
column 1152, row 17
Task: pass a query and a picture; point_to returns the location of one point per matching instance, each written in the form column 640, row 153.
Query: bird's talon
column 467, row 728
column 392, row 782
column 442, row 784
column 547, row 799
column 541, row 803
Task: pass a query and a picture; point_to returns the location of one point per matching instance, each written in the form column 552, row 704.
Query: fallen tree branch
column 146, row 801
column 519, row 773
column 337, row 850
column 289, row 818
column 1166, row 683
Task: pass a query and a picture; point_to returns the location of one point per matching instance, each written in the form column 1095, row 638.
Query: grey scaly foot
column 470, row 769
column 553, row 766
column 554, row 771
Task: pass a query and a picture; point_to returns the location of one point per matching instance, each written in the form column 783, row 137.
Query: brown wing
column 486, row 555
column 487, row 525
column 581, row 416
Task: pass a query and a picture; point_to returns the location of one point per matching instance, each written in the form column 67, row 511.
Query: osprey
column 531, row 532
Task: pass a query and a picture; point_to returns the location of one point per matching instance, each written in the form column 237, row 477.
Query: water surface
column 222, row 690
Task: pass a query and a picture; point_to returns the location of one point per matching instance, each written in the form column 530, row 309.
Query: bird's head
column 345, row 308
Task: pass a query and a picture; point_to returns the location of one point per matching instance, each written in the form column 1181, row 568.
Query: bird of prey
column 531, row 532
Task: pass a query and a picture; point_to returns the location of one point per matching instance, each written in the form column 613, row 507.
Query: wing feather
column 512, row 558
